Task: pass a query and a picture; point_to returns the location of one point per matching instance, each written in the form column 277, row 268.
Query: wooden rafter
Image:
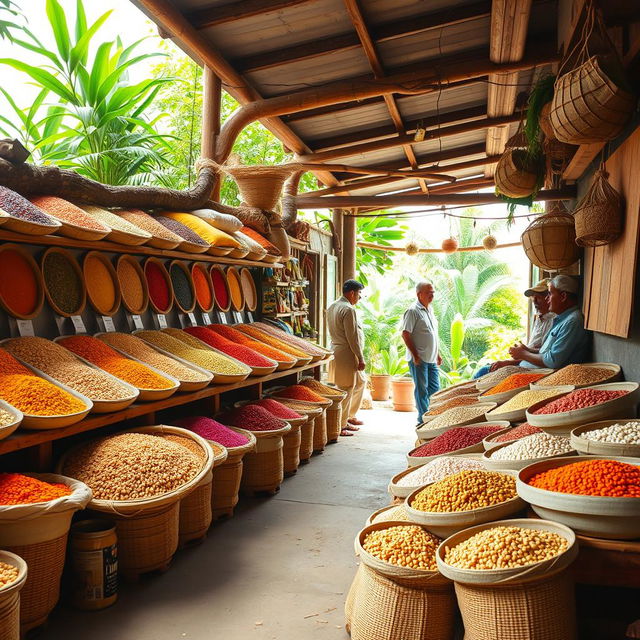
column 347, row 41
column 360, row 25
column 219, row 14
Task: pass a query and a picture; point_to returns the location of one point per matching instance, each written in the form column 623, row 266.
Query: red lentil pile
column 300, row 392
column 16, row 488
column 277, row 409
column 579, row 399
column 251, row 418
column 607, row 478
column 514, row 381
column 211, row 429
column 454, row 439
column 239, row 352
column 525, row 429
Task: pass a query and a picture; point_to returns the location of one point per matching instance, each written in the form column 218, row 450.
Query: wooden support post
column 211, row 98
column 337, row 223
column 348, row 247
column 40, row 457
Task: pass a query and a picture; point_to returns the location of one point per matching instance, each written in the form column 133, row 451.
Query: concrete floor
column 280, row 568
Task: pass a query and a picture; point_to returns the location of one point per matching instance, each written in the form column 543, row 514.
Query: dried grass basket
column 598, row 216
column 227, row 477
column 38, row 534
column 148, row 528
column 515, row 176
column 389, row 602
column 536, row 602
column 550, row 241
column 592, row 102
column 10, row 598
column 291, row 446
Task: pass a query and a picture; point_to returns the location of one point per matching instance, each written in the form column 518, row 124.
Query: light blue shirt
column 421, row 323
column 566, row 343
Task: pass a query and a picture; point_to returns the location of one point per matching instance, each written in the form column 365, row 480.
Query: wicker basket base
column 352, row 597
column 291, row 451
column 334, row 419
column 320, row 432
column 195, row 514
column 41, row 591
column 541, row 610
column 263, row 472
column 384, row 610
column 10, row 618
column 226, row 486
column 147, row 542
column 306, row 441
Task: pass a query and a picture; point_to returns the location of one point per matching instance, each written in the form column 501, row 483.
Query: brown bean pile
column 577, row 374
column 59, row 363
column 132, row 466
column 466, row 491
column 505, row 548
column 6, row 418
column 499, row 375
column 457, row 415
column 188, row 443
column 459, row 401
column 139, row 349
column 404, row 545
column 8, row 574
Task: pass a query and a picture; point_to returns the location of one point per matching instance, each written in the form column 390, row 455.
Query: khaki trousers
column 343, row 372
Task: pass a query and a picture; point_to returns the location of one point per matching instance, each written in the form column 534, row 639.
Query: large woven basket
column 148, row 528
column 263, row 470
column 334, row 421
column 227, row 477
column 260, row 185
column 320, row 432
column 513, row 177
column 550, row 241
column 396, row 603
column 351, row 597
column 291, row 449
column 306, row 440
column 598, row 216
column 38, row 534
column 10, row 598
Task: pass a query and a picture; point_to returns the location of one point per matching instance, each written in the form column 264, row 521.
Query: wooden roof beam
column 446, row 199
column 213, row 15
column 423, row 80
column 348, row 41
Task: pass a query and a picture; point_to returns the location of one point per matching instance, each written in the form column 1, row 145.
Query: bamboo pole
column 211, row 97
column 379, row 247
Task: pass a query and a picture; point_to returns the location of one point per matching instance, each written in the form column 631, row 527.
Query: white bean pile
column 538, row 445
column 626, row 433
column 396, row 513
column 438, row 469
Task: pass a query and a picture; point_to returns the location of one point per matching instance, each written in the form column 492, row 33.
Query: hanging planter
column 550, row 240
column 489, row 242
column 518, row 172
column 449, row 245
column 411, row 248
column 592, row 102
column 544, row 122
column 598, row 216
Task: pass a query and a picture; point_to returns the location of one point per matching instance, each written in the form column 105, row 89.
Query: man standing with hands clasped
column 420, row 334
column 346, row 370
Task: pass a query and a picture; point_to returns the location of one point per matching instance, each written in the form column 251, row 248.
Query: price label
column 192, row 319
column 222, row 318
column 25, row 327
column 162, row 321
column 137, row 322
column 107, row 321
column 78, row 325
column 249, row 316
column 206, row 318
column 237, row 316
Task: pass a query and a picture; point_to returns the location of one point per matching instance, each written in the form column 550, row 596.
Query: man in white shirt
column 542, row 318
column 346, row 369
column 420, row 335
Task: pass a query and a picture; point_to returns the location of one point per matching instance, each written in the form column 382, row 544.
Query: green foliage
column 541, row 94
column 391, row 362
column 507, row 308
column 382, row 231
column 8, row 19
column 96, row 122
column 500, row 339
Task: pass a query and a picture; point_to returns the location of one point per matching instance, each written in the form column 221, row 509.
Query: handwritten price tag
column 107, row 321
column 25, row 327
column 162, row 321
column 137, row 322
column 206, row 318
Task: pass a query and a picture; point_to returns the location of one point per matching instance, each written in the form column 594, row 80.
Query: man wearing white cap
column 568, row 341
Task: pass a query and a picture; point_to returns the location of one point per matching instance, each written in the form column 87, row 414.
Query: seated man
column 542, row 320
column 568, row 340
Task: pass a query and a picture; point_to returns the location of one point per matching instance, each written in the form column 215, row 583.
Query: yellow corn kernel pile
column 8, row 574
column 465, row 491
column 405, row 545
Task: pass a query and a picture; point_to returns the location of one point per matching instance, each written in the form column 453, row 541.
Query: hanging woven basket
column 591, row 102
column 550, row 241
column 515, row 175
column 598, row 216
column 545, row 123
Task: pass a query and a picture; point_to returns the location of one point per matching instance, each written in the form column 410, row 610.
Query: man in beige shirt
column 347, row 367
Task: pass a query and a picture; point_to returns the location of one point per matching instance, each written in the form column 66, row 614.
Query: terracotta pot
column 402, row 394
column 380, row 386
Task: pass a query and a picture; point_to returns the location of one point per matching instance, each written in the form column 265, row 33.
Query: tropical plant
column 8, row 19
column 378, row 230
column 98, row 123
column 456, row 365
column 390, row 362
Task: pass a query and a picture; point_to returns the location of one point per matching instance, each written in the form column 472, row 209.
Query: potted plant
column 394, row 368
column 386, row 365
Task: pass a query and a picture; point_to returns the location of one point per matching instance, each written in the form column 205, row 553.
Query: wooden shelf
column 141, row 250
column 286, row 314
column 23, row 439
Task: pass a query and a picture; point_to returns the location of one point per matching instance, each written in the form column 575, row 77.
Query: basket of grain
column 608, row 438
column 13, row 575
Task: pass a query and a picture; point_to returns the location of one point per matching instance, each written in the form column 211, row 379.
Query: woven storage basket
column 513, row 177
column 396, row 603
column 352, row 596
column 10, row 598
column 598, row 216
column 306, row 440
column 529, row 603
column 264, row 468
column 227, row 477
column 545, row 123
column 550, row 241
column 148, row 528
column 334, row 420
column 320, row 432
column 291, row 449
column 38, row 534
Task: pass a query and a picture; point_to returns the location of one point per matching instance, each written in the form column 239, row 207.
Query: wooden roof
column 270, row 48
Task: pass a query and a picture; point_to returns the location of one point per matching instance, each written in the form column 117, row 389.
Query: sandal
column 346, row 432
column 351, row 427
column 355, row 421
